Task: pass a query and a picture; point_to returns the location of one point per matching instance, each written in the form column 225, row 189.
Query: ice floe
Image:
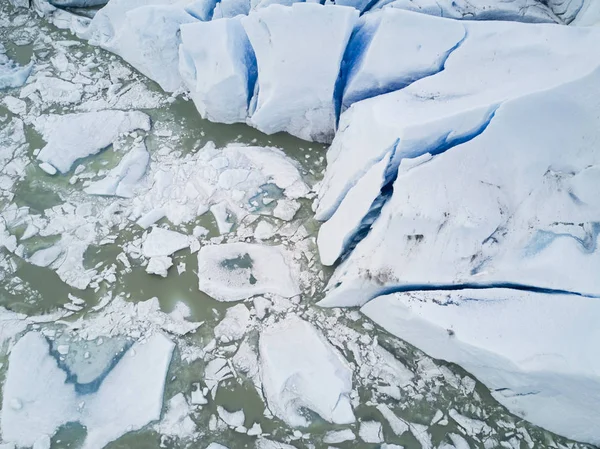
column 11, row 74
column 39, row 398
column 292, row 355
column 71, row 137
column 236, row 271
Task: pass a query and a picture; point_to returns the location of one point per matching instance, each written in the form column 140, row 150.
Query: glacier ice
column 293, row 355
column 536, row 352
column 236, row 271
column 145, row 34
column 71, row 137
column 218, row 66
column 532, row 11
column 439, row 111
column 391, row 49
column 478, row 213
column 39, row 397
column 296, row 93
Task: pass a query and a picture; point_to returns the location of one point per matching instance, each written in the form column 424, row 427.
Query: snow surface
column 38, row 399
column 478, row 213
column 536, row 352
column 293, row 354
column 71, row 137
column 236, row 271
column 218, row 66
column 296, row 94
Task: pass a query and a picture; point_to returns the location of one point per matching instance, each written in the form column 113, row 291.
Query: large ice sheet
column 515, row 206
column 300, row 370
column 391, row 49
column 533, row 11
column 145, row 34
column 536, row 352
column 236, row 271
column 71, row 137
column 38, row 397
column 218, row 65
column 496, row 61
column 298, row 50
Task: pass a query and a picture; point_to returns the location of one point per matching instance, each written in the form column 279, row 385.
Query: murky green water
column 41, row 290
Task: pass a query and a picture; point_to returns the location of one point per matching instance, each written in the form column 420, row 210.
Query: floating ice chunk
column 46, row 256
column 296, row 93
column 509, row 340
column 238, row 271
column 371, row 432
column 159, row 265
column 531, row 11
column 145, row 34
column 263, row 443
column 39, row 393
column 218, row 65
column 216, row 446
column 177, row 422
column 439, row 111
column 493, row 228
column 54, row 90
column 48, row 168
column 162, row 242
column 217, row 370
column 371, row 68
column 11, row 74
column 234, row 325
column 338, row 436
column 74, row 136
column 286, row 209
column 14, row 105
column 293, row 354
column 221, row 215
column 398, row 426
column 122, row 180
column 233, row 419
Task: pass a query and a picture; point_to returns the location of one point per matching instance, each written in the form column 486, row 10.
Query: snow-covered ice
column 37, row 399
column 298, row 50
column 534, row 351
column 71, row 137
column 293, row 355
column 236, row 271
column 218, row 66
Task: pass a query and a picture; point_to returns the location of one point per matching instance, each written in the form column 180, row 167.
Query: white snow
column 236, row 271
column 296, row 94
column 218, row 65
column 122, row 180
column 536, row 352
column 71, row 137
column 37, row 400
column 293, row 355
